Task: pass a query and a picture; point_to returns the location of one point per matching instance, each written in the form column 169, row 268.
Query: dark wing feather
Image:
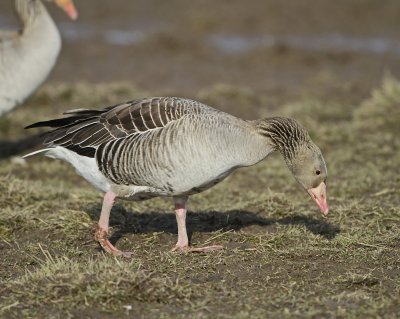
column 57, row 122
column 83, row 131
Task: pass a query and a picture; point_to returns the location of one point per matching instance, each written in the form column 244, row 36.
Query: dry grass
column 282, row 259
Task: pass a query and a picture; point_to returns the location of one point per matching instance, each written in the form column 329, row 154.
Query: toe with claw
column 102, row 237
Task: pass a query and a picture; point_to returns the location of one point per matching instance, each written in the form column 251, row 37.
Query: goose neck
column 285, row 134
column 29, row 12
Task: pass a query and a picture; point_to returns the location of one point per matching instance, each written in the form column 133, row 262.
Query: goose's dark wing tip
column 37, row 124
column 62, row 122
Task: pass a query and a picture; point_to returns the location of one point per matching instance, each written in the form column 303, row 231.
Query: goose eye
column 317, row 172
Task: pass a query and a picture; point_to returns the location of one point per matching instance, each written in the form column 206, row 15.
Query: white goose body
column 28, row 56
column 174, row 147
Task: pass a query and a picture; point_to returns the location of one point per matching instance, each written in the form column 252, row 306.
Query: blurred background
column 280, row 49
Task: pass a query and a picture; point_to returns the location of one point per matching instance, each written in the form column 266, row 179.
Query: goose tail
column 44, row 151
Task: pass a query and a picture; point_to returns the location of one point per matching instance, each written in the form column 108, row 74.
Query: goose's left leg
column 101, row 234
column 183, row 241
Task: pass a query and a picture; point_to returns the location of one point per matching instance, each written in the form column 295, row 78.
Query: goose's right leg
column 183, row 241
column 101, row 234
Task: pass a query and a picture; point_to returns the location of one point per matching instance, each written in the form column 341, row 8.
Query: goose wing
column 83, row 130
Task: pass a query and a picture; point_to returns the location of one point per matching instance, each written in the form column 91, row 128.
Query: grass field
column 282, row 258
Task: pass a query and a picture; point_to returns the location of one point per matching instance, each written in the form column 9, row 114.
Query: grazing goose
column 28, row 56
column 174, row 147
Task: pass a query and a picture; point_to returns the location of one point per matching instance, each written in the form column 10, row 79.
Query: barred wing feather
column 83, row 131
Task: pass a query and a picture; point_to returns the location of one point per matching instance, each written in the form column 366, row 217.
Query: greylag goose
column 28, row 56
column 176, row 147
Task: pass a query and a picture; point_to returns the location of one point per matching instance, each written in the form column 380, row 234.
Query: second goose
column 28, row 56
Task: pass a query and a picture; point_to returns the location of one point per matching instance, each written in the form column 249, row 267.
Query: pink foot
column 187, row 249
column 101, row 236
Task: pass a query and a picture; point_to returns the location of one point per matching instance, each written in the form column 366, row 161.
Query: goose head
column 302, row 156
column 309, row 168
column 68, row 6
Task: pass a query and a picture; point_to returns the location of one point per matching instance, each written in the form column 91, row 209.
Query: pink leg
column 101, row 234
column 183, row 242
column 180, row 213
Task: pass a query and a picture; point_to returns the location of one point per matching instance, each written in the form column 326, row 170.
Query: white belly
column 84, row 166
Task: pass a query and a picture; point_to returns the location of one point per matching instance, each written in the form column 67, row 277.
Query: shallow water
column 237, row 44
column 323, row 42
column 229, row 43
column 75, row 32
